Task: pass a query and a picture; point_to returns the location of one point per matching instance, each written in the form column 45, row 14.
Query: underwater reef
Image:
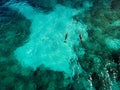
column 34, row 56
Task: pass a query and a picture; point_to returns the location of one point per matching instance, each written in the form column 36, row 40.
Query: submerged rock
column 46, row 5
column 71, row 3
column 115, row 4
column 2, row 2
column 48, row 80
column 14, row 30
column 103, row 23
column 96, row 81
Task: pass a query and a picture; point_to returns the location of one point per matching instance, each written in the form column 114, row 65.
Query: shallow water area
column 46, row 43
column 60, row 45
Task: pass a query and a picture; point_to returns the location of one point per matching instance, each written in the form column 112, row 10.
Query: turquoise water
column 46, row 42
column 59, row 44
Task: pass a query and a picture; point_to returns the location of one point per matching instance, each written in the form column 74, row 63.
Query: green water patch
column 14, row 31
column 101, row 59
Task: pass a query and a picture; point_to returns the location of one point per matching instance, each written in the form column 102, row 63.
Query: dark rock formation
column 14, row 30
column 46, row 5
column 49, row 80
column 2, row 2
column 116, row 57
column 115, row 4
column 96, row 81
column 71, row 3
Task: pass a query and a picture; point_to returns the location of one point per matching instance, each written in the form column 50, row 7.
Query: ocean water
column 54, row 45
column 46, row 43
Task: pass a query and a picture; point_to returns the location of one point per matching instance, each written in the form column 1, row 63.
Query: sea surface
column 60, row 45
